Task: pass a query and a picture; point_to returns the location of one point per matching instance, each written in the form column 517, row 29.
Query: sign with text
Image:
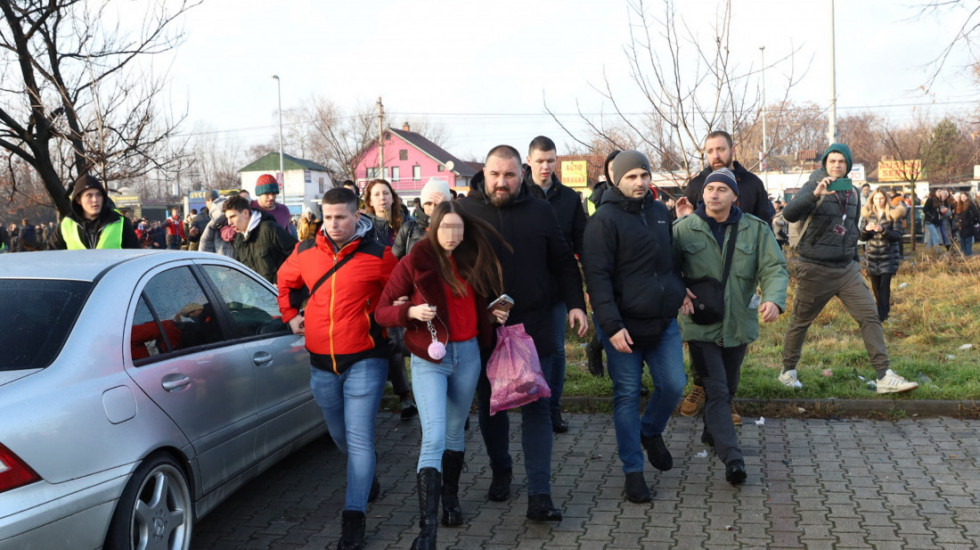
column 898, row 170
column 575, row 173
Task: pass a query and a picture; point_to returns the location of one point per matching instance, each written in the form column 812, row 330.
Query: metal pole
column 765, row 142
column 832, row 126
column 282, row 171
column 381, row 140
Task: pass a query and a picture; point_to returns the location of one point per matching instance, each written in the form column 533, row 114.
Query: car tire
column 155, row 510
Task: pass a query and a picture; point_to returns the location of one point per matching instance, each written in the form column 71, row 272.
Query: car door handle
column 262, row 358
column 174, row 382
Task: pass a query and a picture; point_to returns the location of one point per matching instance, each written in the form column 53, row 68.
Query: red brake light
column 13, row 472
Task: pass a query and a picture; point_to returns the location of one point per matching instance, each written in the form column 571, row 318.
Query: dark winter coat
column 931, row 210
column 965, row 221
column 411, row 232
column 539, row 253
column 752, row 195
column 567, row 206
column 383, row 233
column 417, row 276
column 629, row 266
column 882, row 249
column 821, row 244
column 89, row 231
column 266, row 247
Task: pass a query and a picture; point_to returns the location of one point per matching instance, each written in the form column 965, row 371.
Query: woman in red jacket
column 439, row 292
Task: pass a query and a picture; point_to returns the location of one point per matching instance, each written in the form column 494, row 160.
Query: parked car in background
column 138, row 389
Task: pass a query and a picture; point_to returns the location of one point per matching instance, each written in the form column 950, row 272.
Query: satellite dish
column 450, row 165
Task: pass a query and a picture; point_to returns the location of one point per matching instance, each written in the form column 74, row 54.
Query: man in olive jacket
column 261, row 243
column 701, row 244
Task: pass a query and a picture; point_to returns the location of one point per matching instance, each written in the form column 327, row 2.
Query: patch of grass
column 936, row 312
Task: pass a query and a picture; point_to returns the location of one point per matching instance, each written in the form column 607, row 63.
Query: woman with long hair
column 881, row 230
column 439, row 293
column 937, row 213
column 383, row 207
column 966, row 219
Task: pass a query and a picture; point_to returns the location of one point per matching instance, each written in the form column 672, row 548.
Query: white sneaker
column 893, row 383
column 790, row 380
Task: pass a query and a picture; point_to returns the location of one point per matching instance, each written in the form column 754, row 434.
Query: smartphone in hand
column 503, row 303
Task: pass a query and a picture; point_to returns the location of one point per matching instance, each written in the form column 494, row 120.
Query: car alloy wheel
column 155, row 510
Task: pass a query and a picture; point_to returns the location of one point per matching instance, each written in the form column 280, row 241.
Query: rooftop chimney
column 406, row 127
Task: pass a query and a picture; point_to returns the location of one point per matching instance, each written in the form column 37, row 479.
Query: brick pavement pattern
column 822, row 484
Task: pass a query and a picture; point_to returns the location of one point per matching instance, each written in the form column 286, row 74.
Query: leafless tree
column 73, row 98
column 964, row 34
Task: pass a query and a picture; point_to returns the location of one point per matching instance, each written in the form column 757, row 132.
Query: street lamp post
column 282, row 172
column 765, row 142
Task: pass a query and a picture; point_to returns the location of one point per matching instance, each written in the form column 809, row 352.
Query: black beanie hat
column 86, row 182
column 626, row 161
column 723, row 175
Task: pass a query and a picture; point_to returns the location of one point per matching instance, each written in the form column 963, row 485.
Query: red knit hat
column 266, row 184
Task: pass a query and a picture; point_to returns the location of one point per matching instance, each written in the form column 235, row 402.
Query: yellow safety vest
column 111, row 236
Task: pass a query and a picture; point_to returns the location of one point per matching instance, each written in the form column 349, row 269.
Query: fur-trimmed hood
column 895, row 213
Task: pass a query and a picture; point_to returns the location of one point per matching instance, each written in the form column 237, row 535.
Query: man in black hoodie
column 539, row 175
column 536, row 259
column 719, row 151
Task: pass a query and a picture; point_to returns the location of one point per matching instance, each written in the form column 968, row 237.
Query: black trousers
column 719, row 368
column 881, row 286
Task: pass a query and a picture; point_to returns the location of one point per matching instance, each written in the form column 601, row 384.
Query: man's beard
column 500, row 200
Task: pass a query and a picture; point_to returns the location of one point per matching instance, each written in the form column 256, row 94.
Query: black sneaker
column 409, row 410
column 657, row 452
column 558, row 424
column 540, row 508
column 735, row 472
column 637, row 489
column 500, row 485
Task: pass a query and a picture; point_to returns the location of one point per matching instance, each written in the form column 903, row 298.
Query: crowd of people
column 368, row 282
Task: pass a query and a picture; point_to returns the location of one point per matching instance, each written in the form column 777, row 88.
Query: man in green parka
column 701, row 241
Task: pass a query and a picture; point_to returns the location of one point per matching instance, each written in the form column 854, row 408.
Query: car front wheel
column 155, row 510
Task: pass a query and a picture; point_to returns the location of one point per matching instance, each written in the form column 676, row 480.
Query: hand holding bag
column 514, row 371
column 709, row 306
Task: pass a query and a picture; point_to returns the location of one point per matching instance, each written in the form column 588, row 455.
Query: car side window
column 173, row 314
column 254, row 309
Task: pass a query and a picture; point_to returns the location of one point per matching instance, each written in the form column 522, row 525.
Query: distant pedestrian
column 937, row 215
column 966, row 222
column 881, row 230
column 175, row 230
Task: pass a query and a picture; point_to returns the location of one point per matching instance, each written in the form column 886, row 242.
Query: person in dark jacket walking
column 636, row 293
column 92, row 222
column 829, row 267
column 881, row 230
column 539, row 258
column 540, row 178
column 719, row 151
column 966, row 221
column 447, row 278
column 261, row 243
column 414, row 229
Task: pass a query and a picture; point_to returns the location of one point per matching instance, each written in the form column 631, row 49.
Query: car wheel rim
column 162, row 514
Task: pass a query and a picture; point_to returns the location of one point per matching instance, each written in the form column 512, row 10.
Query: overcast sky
column 484, row 69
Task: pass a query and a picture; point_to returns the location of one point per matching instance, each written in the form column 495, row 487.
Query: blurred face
column 942, row 194
column 503, row 179
column 380, row 200
column 836, row 165
column 718, row 199
column 339, row 222
column 91, row 203
column 542, row 165
column 880, row 201
column 635, row 183
column 428, row 208
column 450, row 232
column 239, row 219
column 267, row 201
column 718, row 153
column 175, row 212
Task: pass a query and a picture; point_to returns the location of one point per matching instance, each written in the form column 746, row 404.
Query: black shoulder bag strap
column 729, row 252
column 331, row 271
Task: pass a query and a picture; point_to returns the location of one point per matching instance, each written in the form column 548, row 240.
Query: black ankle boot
column 429, row 487
column 351, row 531
column 452, row 466
column 540, row 508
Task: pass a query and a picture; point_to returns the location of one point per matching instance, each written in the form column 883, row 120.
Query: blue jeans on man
column 350, row 402
column 444, row 394
column 666, row 364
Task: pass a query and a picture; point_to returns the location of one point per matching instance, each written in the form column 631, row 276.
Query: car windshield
column 38, row 315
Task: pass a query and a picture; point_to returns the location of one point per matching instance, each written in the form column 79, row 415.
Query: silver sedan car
column 139, row 389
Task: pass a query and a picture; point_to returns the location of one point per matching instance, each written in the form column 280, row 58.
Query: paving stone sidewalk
column 909, row 484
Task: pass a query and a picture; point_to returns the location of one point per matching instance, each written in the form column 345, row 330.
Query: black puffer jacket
column 411, row 232
column 882, row 252
column 629, row 266
column 540, row 258
column 752, row 195
column 821, row 244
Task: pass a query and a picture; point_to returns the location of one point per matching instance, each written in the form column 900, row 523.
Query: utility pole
column 381, row 140
column 832, row 126
column 765, row 143
column 282, row 171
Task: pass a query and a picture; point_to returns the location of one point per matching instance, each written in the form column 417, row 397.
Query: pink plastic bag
column 514, row 371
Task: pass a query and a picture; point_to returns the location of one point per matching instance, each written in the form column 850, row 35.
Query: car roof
column 78, row 265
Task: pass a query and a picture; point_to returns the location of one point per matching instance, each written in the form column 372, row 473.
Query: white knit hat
column 433, row 186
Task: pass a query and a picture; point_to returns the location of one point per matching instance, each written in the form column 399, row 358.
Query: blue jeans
column 444, row 395
column 556, row 381
column 536, row 436
column 966, row 245
column 937, row 235
column 350, row 403
column 666, row 364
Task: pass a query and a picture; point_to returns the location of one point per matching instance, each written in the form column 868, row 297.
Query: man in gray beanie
column 636, row 293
